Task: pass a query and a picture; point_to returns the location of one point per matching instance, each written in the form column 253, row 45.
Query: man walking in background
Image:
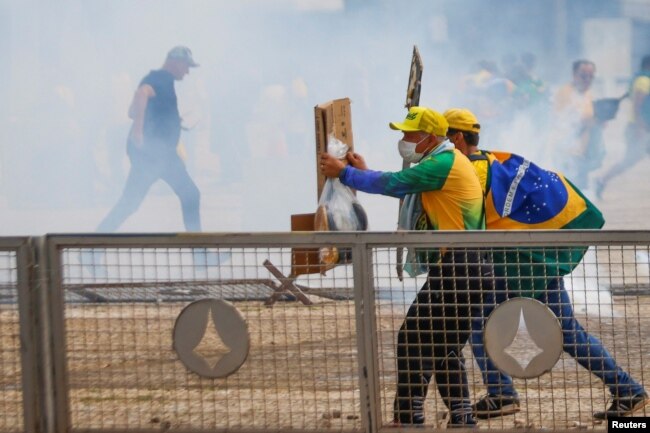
column 152, row 144
column 637, row 132
column 576, row 133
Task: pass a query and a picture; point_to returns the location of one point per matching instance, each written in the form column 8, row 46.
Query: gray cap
column 182, row 53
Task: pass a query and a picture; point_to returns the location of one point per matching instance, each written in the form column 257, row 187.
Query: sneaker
column 624, row 406
column 465, row 420
column 495, row 405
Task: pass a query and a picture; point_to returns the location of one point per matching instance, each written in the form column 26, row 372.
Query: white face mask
column 407, row 150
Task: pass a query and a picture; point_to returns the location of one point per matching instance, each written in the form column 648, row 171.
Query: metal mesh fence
column 325, row 350
column 120, row 308
column 11, row 396
column 608, row 296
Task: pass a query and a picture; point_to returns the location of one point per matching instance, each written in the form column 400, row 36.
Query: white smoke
column 69, row 69
column 587, row 289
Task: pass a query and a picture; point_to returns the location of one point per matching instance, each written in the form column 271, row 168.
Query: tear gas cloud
column 70, row 68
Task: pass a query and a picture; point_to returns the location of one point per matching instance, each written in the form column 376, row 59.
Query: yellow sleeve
column 641, row 85
column 640, row 90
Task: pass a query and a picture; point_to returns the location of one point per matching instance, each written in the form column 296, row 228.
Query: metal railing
column 102, row 317
column 19, row 349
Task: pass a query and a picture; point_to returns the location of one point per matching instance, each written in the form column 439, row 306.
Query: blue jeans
column 146, row 169
column 586, row 349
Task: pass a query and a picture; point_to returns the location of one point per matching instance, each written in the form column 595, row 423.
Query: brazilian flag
column 520, row 195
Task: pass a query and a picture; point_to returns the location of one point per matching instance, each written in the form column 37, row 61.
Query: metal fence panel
column 11, row 398
column 330, row 365
column 120, row 305
column 609, row 291
column 17, row 345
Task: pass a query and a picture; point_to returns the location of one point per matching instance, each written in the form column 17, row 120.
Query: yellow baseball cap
column 422, row 119
column 462, row 119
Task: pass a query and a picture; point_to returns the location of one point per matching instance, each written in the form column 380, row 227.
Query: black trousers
column 434, row 332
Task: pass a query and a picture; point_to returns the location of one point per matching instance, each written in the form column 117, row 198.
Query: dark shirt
column 162, row 123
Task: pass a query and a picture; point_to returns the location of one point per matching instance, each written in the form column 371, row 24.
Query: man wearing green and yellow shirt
column 519, row 195
column 438, row 323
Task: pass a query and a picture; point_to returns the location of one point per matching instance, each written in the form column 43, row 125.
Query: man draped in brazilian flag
column 438, row 323
column 520, row 195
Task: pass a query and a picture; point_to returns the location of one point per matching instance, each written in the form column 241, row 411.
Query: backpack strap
column 478, row 157
column 483, row 156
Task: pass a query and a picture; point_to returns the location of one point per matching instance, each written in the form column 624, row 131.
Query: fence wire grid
column 120, row 309
column 11, row 397
column 608, row 294
column 324, row 348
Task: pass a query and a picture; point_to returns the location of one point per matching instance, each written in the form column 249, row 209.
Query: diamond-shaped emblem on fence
column 211, row 347
column 523, row 340
column 211, row 338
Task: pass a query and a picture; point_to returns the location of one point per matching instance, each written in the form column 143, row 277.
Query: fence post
column 48, row 299
column 366, row 336
column 27, row 289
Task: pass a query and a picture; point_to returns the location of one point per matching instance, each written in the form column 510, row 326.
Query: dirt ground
column 302, row 370
column 564, row 398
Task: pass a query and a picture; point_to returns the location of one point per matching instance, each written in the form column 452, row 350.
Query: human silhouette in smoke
column 577, row 132
column 152, row 144
column 490, row 92
column 531, row 91
column 637, row 132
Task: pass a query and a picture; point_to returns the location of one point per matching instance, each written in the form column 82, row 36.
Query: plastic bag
column 336, row 147
column 338, row 209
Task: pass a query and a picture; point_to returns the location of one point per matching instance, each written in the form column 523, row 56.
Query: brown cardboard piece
column 305, row 260
column 331, row 118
